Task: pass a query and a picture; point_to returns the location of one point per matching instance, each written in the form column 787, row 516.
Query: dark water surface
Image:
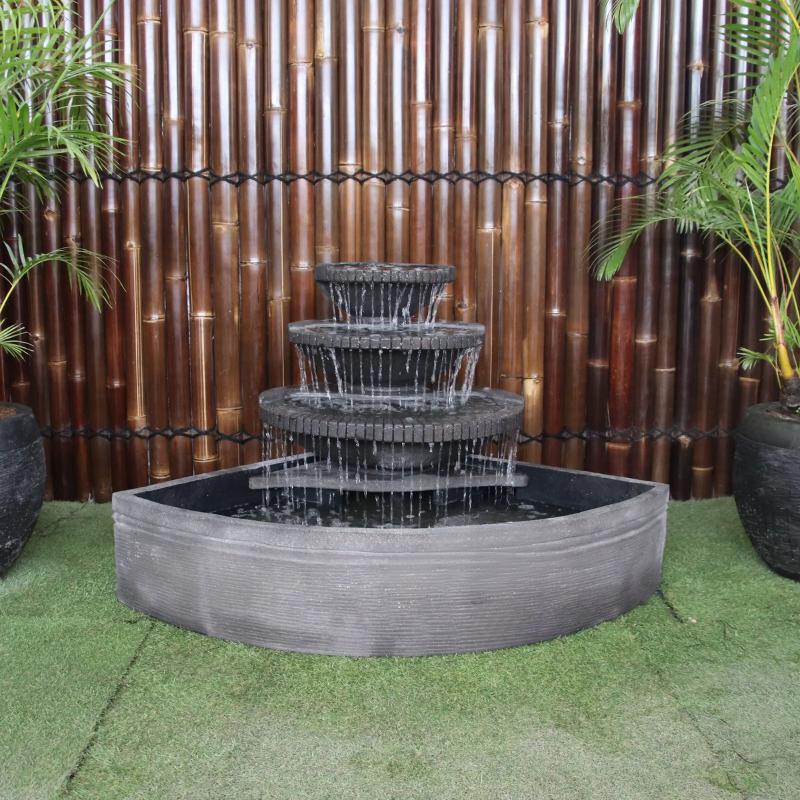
column 424, row 510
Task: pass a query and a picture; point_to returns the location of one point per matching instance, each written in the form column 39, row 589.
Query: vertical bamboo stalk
column 664, row 378
column 557, row 231
column 34, row 310
column 59, row 418
column 76, row 345
column 691, row 255
column 19, row 378
column 150, row 161
column 466, row 161
column 535, row 262
column 488, row 235
column 253, row 261
column 131, row 244
column 511, row 305
column 326, row 82
column 421, row 114
column 727, row 373
column 599, row 291
column 276, row 113
column 350, row 161
column 225, row 226
column 624, row 285
column 111, row 242
column 397, row 126
column 99, row 447
column 201, row 309
column 373, row 131
column 174, row 240
column 710, row 305
column 35, row 325
column 61, row 452
column 580, row 198
column 301, row 156
column 443, row 141
column 646, row 338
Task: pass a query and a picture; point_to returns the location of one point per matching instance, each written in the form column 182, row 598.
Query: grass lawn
column 694, row 695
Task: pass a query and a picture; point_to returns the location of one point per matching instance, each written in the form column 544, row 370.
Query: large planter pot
column 766, row 485
column 22, row 479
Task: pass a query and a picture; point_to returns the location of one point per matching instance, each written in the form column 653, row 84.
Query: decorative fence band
column 259, row 139
column 362, row 176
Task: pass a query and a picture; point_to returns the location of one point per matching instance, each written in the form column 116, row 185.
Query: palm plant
column 720, row 180
column 51, row 82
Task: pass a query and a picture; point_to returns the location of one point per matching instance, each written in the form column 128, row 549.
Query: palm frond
column 14, row 340
column 749, row 358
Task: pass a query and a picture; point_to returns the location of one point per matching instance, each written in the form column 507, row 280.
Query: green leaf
column 14, row 341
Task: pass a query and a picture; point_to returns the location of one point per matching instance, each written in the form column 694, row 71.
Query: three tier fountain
column 389, row 516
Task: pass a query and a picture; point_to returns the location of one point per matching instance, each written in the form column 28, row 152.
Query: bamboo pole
column 301, row 157
column 35, row 325
column 707, row 351
column 398, row 160
column 489, row 233
column 443, row 142
column 421, row 137
column 599, row 291
column 646, row 336
column 511, row 305
column 174, row 239
column 154, row 320
column 99, row 447
column 201, row 309
column 253, row 259
column 690, row 258
column 59, row 412
column 31, row 231
column 557, row 230
column 624, row 285
column 664, row 378
column 225, row 226
column 276, row 118
column 373, row 131
column 580, row 200
column 131, row 245
column 466, row 160
column 19, row 377
column 326, row 82
column 111, row 243
column 350, row 160
column 535, row 261
column 61, row 451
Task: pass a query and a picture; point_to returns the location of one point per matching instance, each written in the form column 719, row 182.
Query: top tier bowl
column 384, row 294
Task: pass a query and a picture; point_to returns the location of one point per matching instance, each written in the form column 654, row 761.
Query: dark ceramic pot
column 766, row 485
column 22, row 479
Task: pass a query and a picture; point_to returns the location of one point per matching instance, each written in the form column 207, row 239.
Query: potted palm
column 50, row 84
column 720, row 181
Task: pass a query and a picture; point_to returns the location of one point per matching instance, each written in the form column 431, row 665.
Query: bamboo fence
column 262, row 138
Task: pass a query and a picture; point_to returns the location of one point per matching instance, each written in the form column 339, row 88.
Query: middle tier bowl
column 392, row 432
column 369, row 359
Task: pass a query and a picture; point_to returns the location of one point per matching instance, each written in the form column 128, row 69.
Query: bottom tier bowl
column 366, row 591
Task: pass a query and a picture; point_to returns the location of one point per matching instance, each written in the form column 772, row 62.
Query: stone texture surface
column 355, row 591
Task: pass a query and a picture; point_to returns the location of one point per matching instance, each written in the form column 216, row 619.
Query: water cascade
column 395, row 432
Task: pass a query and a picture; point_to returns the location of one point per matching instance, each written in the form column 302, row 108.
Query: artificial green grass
column 694, row 695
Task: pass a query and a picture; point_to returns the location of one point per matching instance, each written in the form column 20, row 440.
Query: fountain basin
column 389, row 592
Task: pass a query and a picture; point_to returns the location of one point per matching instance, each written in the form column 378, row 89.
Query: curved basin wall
column 367, row 592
